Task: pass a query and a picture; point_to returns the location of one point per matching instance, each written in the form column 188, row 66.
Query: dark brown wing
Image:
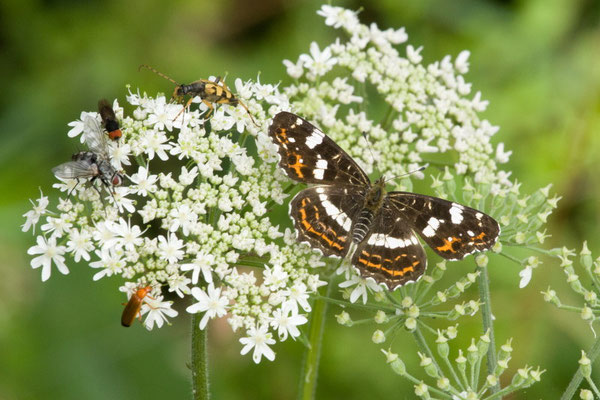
column 323, row 217
column 390, row 253
column 450, row 229
column 310, row 156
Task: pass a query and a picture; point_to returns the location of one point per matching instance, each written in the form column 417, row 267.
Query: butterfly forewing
column 390, row 253
column 310, row 156
column 323, row 217
column 450, row 229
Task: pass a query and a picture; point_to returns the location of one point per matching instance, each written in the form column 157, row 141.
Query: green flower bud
column 586, row 256
column 343, row 318
column 413, row 311
column 461, row 361
column 422, row 391
column 410, row 324
column 481, row 260
column 407, row 302
column 472, row 353
column 491, row 380
column 587, row 313
column 520, row 377
column 452, row 331
column 378, row 337
column 586, row 394
column 381, row 317
column 429, row 366
column 586, row 365
column 443, row 383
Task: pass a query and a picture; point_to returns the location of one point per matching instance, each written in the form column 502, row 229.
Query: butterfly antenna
column 157, row 73
column 408, row 173
column 370, row 146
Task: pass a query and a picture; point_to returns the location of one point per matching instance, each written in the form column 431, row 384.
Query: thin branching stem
column 578, row 377
column 488, row 324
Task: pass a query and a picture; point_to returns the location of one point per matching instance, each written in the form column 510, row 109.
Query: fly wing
column 96, row 140
column 75, row 170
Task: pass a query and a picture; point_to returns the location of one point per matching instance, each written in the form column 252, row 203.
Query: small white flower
column 169, row 248
column 128, row 236
column 179, row 284
column 414, row 55
column 502, row 157
column 119, row 155
column 33, row 216
column 87, row 123
column 286, row 324
column 338, row 17
column 143, row 182
column 213, row 304
column 204, row 263
column 158, row 311
column 361, row 287
column 294, row 70
column 80, row 243
column 156, row 142
column 297, row 296
column 462, row 62
column 259, row 339
column 319, row 62
column 182, row 217
column 110, row 263
column 49, row 252
column 525, row 275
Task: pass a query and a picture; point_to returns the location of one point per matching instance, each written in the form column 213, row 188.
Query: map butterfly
column 344, row 207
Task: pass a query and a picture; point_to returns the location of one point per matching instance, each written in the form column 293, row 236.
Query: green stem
column 310, row 367
column 422, row 343
column 199, row 360
column 578, row 377
column 488, row 324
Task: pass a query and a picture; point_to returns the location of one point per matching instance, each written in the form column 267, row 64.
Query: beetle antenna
column 157, row 73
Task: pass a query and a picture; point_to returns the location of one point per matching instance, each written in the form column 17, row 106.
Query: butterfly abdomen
column 361, row 227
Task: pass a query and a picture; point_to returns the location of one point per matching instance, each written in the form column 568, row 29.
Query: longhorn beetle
column 209, row 91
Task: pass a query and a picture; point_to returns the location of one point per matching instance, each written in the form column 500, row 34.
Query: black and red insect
column 109, row 120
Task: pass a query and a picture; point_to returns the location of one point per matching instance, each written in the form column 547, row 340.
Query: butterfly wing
column 323, row 217
column 310, row 156
column 450, row 229
column 390, row 253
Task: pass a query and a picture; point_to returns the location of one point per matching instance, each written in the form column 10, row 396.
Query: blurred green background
column 538, row 62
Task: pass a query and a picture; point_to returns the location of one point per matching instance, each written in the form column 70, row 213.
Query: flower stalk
column 199, row 360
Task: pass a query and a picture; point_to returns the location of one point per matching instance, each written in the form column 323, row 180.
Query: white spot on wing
column 291, row 140
column 320, row 190
column 314, row 139
column 318, row 173
column 470, row 233
column 456, row 213
column 299, row 121
column 428, row 231
column 322, row 164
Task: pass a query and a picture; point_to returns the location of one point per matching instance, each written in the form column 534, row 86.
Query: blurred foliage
column 536, row 61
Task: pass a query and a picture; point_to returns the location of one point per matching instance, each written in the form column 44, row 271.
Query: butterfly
column 342, row 207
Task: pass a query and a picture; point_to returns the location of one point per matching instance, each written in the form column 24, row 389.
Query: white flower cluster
column 199, row 228
column 430, row 108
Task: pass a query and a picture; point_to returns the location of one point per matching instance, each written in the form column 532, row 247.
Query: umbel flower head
column 193, row 217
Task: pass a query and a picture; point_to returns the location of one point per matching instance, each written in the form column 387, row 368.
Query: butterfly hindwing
column 323, row 217
column 310, row 156
column 390, row 253
column 450, row 229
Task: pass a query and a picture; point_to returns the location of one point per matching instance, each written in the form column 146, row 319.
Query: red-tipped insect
column 132, row 309
column 109, row 120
